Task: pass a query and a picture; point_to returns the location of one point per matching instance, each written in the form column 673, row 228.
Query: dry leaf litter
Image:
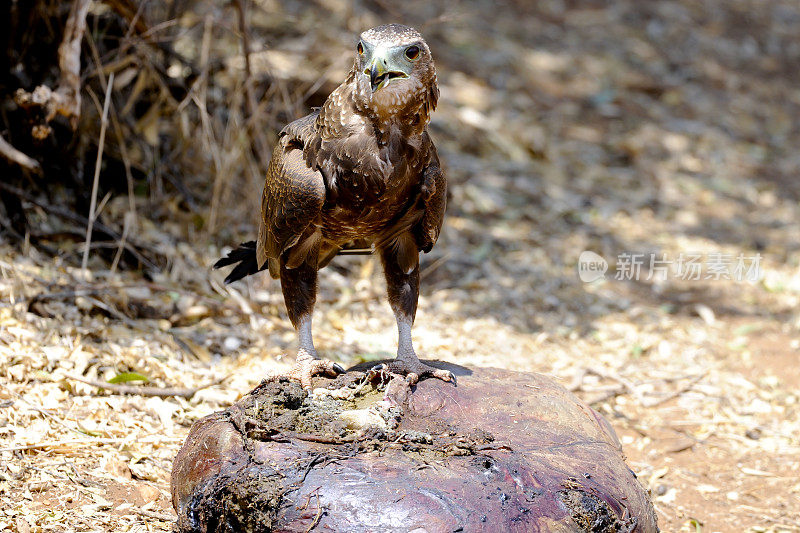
column 664, row 127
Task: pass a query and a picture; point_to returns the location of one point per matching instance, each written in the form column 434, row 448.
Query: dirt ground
column 665, row 128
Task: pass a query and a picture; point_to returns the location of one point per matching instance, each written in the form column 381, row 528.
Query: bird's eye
column 360, row 49
column 412, row 52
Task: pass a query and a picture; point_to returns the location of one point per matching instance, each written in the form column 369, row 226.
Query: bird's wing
column 293, row 193
column 434, row 195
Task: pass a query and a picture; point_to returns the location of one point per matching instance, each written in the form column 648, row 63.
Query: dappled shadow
column 610, row 126
column 617, row 127
column 664, row 127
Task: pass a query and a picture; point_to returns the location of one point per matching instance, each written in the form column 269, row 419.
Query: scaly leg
column 403, row 292
column 299, row 287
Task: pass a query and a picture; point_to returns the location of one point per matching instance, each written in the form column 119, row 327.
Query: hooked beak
column 384, row 68
column 377, row 75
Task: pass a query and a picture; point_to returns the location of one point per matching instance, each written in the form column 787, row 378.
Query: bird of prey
column 361, row 171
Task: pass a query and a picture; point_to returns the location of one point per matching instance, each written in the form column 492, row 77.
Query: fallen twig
column 625, row 385
column 161, row 392
column 15, row 156
column 615, row 377
column 613, row 393
column 153, row 514
column 109, row 233
column 316, row 518
column 94, row 441
column 113, row 311
column 311, row 464
column 63, row 295
column 685, row 388
column 320, row 439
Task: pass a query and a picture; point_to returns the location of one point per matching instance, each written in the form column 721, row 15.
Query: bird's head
column 394, row 68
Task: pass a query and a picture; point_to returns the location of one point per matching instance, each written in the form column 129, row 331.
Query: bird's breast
column 357, row 215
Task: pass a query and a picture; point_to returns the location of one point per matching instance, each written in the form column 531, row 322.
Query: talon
column 307, row 366
column 376, row 371
column 414, row 370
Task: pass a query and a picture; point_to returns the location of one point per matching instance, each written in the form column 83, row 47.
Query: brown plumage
column 360, row 171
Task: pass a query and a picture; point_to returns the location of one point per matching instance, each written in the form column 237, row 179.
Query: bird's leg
column 299, row 287
column 403, row 291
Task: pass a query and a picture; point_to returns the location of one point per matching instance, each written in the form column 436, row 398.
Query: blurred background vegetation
column 658, row 127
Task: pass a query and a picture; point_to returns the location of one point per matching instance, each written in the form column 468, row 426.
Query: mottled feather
column 360, row 168
column 360, row 172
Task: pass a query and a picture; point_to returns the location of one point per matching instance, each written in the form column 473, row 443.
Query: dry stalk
column 200, row 100
column 130, row 216
column 96, row 182
column 252, row 108
column 129, row 221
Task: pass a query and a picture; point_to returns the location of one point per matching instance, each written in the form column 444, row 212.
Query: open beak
column 384, row 68
column 377, row 75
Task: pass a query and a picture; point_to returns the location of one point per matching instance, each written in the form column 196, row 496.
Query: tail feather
column 245, row 259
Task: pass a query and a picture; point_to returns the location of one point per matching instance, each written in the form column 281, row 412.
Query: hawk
column 361, row 171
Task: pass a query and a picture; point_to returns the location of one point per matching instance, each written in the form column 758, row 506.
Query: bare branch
column 15, row 156
column 69, row 60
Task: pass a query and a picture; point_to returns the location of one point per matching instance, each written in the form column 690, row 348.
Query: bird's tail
column 244, row 257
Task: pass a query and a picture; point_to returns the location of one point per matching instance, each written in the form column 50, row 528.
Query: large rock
column 501, row 451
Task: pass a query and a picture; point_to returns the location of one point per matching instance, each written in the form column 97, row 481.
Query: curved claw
column 414, row 370
column 412, row 378
column 378, row 370
column 307, row 367
column 444, row 375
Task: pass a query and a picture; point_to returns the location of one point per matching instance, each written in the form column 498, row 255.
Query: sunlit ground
column 662, row 128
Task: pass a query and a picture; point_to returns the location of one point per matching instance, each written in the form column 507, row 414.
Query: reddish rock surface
column 501, row 451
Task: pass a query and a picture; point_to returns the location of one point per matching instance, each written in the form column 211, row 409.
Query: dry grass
column 638, row 127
